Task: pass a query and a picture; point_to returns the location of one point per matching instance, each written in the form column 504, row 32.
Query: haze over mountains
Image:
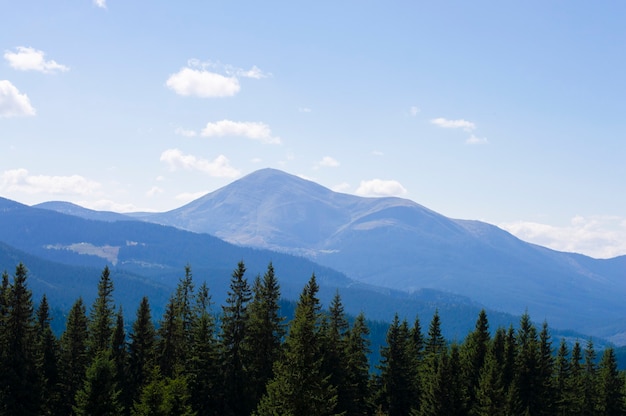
column 390, row 243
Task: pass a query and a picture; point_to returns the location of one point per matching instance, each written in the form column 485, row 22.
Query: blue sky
column 510, row 113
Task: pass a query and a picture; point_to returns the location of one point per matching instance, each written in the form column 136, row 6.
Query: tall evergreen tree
column 265, row 332
column 435, row 342
column 610, row 386
column 335, row 358
column 443, row 390
column 562, row 375
column 491, row 394
column 473, row 351
column 141, row 352
column 357, row 392
column 234, row 358
column 396, row 381
column 528, row 380
column 299, row 386
column 101, row 315
column 119, row 356
column 20, row 382
column 590, row 386
column 73, row 357
column 547, row 394
column 47, row 361
column 576, row 388
column 203, row 375
column 100, row 394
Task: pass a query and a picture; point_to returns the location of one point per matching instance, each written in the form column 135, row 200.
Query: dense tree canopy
column 249, row 360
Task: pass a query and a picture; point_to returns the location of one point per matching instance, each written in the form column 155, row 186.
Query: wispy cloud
column 327, row 162
column 250, row 130
column 596, row 236
column 304, row 110
column 30, row 59
column 12, row 102
column 155, row 190
column 20, row 180
column 380, row 187
column 185, row 132
column 414, row 111
column 476, row 140
column 453, row 124
column 208, row 79
column 100, row 3
column 219, row 167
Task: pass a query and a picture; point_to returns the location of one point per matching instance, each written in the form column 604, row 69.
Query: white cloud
column 377, row 153
column 379, row 187
column 12, row 102
column 414, row 111
column 219, row 167
column 304, row 110
column 251, row 130
column 108, row 205
column 185, row 132
column 328, row 162
column 30, row 59
column 20, row 180
column 454, row 124
column 476, row 140
column 596, row 236
column 100, row 3
column 202, row 83
column 154, row 191
column 253, row 72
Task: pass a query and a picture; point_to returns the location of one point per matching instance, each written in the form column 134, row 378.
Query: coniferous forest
column 245, row 358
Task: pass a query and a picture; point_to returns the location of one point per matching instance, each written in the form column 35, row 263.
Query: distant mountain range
column 383, row 254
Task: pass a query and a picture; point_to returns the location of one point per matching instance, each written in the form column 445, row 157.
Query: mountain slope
column 400, row 244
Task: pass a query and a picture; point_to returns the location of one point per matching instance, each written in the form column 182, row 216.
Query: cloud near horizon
column 20, row 180
column 380, row 187
column 596, row 236
column 12, row 102
column 327, row 162
column 218, row 167
column 251, row 130
column 31, row 59
column 453, row 124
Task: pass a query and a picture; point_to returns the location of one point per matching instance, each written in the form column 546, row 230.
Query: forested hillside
column 245, row 358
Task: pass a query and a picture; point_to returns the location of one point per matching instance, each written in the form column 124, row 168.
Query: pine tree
column 590, row 386
column 396, row 381
column 545, row 383
column 163, row 396
column 435, row 343
column 203, row 375
column 576, row 388
column 299, row 386
column 99, row 395
column 443, row 390
column 611, row 386
column 491, row 393
column 562, row 380
column 101, row 316
column 234, row 327
column 528, row 380
column 474, row 351
column 73, row 356
column 20, row 382
column 334, row 350
column 119, row 356
column 357, row 392
column 265, row 332
column 47, row 361
column 141, row 357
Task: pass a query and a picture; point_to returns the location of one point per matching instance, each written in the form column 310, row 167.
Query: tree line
column 248, row 360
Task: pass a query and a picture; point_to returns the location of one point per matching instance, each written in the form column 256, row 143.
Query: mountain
column 65, row 255
column 399, row 244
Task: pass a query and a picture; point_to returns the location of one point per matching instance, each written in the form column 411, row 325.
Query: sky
column 512, row 113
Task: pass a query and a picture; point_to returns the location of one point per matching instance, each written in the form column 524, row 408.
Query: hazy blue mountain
column 78, row 211
column 399, row 244
column 66, row 254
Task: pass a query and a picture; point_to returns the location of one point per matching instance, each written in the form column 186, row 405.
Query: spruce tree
column 47, row 361
column 265, row 332
column 99, row 394
column 491, row 392
column 562, row 382
column 20, row 382
column 590, row 386
column 234, row 358
column 395, row 383
column 299, row 385
column 101, row 315
column 357, row 392
column 119, row 356
column 547, row 393
column 435, row 342
column 203, row 375
column 474, row 351
column 141, row 357
column 73, row 357
column 528, row 379
column 610, row 386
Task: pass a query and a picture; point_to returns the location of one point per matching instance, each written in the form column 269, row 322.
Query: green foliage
column 251, row 365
